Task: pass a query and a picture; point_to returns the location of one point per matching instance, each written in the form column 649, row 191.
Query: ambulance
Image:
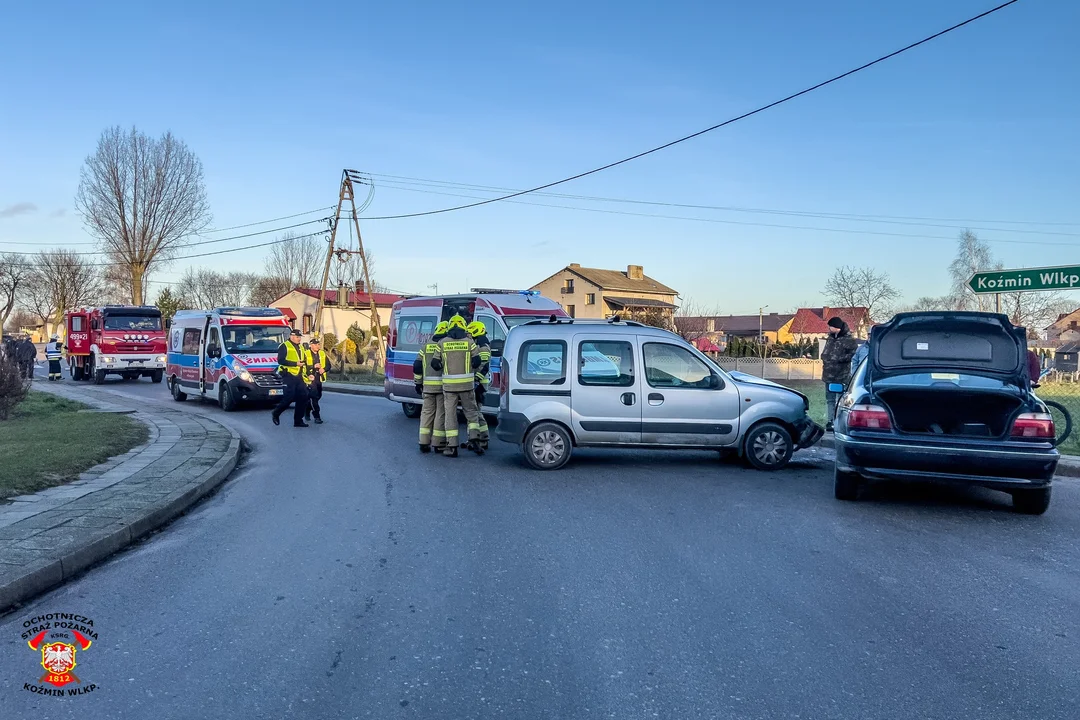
column 413, row 321
column 227, row 354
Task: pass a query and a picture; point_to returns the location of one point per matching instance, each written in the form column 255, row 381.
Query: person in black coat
column 26, row 354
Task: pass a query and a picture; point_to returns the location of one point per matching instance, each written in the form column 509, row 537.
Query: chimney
column 635, row 272
column 342, row 295
column 359, row 286
column 574, row 265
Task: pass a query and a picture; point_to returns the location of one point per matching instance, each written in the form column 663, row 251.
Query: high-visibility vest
column 315, row 361
column 301, row 356
column 456, row 354
column 52, row 351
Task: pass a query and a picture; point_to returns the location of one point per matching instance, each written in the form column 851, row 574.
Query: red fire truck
column 126, row 340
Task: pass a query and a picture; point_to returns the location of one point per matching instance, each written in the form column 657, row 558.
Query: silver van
column 576, row 383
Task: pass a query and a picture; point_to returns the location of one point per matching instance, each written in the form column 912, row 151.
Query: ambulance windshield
column 241, row 339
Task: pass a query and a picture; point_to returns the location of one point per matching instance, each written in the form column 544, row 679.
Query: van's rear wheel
column 411, row 410
column 1031, row 502
column 768, row 446
column 547, row 446
column 177, row 394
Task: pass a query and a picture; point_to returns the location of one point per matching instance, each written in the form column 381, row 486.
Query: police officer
column 293, row 362
column 458, row 358
column 53, row 354
column 428, row 383
column 478, row 332
column 320, row 365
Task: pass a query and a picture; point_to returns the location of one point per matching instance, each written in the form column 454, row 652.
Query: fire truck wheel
column 155, row 377
column 99, row 377
column 178, row 394
column 226, row 399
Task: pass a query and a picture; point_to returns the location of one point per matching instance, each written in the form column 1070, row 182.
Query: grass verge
column 48, row 442
column 362, row 377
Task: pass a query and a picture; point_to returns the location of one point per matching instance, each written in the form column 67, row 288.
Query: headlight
column 108, row 359
column 241, row 371
column 127, row 337
column 162, row 358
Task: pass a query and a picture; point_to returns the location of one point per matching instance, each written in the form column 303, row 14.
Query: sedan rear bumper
column 1000, row 467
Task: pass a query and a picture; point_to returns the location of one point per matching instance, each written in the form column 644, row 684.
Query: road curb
column 370, row 390
column 1068, row 465
column 52, row 571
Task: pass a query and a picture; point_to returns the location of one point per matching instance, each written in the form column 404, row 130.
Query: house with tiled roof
column 344, row 306
column 596, row 293
column 812, row 323
column 1065, row 329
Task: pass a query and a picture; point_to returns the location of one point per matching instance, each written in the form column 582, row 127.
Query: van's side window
column 191, row 341
column 542, row 362
column 670, row 366
column 494, row 329
column 413, row 331
column 605, row 362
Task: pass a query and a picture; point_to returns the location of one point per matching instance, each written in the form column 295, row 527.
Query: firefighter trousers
column 54, row 370
column 467, row 400
column 432, row 421
column 481, row 391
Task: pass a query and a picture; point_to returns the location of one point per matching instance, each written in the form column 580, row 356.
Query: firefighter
column 478, row 332
column 457, row 357
column 25, row 355
column 428, row 383
column 53, row 355
column 293, row 362
column 320, row 366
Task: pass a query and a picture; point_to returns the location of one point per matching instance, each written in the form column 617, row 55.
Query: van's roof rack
column 556, row 320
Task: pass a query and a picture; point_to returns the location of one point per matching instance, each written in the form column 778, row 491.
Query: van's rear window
column 413, row 331
column 542, row 362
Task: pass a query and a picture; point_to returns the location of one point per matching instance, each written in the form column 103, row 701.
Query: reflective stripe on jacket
column 296, row 359
column 458, row 365
column 485, row 361
column 52, row 351
column 423, row 373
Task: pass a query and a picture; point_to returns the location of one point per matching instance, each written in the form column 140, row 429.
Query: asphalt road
column 340, row 574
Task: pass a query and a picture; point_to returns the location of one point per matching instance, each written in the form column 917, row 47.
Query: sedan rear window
column 942, row 380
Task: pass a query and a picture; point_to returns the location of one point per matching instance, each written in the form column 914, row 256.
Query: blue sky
column 276, row 99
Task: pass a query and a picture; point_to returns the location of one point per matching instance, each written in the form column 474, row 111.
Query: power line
column 846, row 231
column 264, row 222
column 699, row 133
column 397, row 180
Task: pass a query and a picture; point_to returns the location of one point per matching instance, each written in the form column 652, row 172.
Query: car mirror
column 213, row 351
column 716, row 382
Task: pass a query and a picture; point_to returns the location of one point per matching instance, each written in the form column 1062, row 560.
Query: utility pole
column 435, row 287
column 350, row 178
column 761, row 337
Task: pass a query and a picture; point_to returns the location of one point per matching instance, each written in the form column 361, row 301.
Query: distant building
column 803, row 324
column 344, row 306
column 712, row 331
column 1065, row 357
column 595, row 293
column 1065, row 328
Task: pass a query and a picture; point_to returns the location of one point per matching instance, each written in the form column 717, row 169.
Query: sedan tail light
column 868, row 417
column 1033, row 425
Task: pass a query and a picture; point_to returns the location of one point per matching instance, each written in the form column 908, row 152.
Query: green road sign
column 1066, row 277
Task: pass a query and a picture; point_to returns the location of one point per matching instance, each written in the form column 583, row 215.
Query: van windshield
column 241, row 339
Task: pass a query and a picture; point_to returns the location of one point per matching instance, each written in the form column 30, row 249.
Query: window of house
column 590, row 299
column 307, row 323
column 670, row 366
column 605, row 362
column 191, row 341
column 568, row 285
column 571, row 311
column 542, row 362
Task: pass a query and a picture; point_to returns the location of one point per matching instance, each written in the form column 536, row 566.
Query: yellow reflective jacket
column 459, row 358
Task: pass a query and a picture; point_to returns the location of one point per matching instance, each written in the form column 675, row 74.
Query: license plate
column 275, row 392
column 136, row 362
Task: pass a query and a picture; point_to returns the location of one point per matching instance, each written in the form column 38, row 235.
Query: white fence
column 772, row 368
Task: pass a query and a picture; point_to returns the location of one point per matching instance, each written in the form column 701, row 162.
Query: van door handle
column 628, row 398
column 656, row 399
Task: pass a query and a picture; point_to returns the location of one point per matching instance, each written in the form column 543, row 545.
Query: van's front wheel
column 411, row 410
column 768, row 446
column 547, row 446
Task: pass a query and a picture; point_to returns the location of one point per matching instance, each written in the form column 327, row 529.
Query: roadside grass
column 1068, row 394
column 48, row 442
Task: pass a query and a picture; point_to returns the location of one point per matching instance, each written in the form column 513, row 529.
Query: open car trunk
column 959, row 412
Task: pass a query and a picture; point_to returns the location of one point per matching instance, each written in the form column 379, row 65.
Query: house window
column 568, row 286
column 570, row 311
column 308, row 319
column 590, row 299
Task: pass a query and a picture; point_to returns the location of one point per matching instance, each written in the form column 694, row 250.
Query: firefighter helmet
column 442, row 328
column 476, row 328
column 457, row 322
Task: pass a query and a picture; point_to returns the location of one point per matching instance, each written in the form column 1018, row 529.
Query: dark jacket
column 1034, row 366
column 26, row 351
column 836, row 357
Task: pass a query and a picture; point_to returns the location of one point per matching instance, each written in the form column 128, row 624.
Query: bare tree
column 14, row 273
column 861, row 287
column 207, row 288
column 1035, row 310
column 972, row 255
column 142, row 198
column 20, row 318
column 298, row 260
column 351, row 270
column 692, row 320
column 267, row 289
column 61, row 280
column 927, row 304
column 116, row 284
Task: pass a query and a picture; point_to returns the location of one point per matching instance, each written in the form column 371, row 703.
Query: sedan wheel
column 1031, row 502
column 547, row 446
column 768, row 446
